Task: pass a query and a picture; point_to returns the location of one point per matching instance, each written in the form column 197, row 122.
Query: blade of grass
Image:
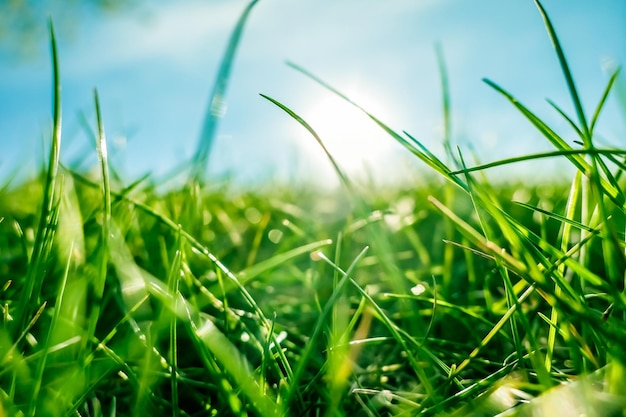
column 37, row 399
column 566, row 117
column 35, row 275
column 396, row 331
column 615, row 194
column 448, row 250
column 342, row 176
column 605, row 95
column 97, row 288
column 233, row 361
column 320, row 324
column 445, row 94
column 609, row 248
column 571, row 86
column 173, row 284
column 519, row 318
column 428, row 158
column 556, row 216
column 217, row 101
column 541, row 155
column 570, row 210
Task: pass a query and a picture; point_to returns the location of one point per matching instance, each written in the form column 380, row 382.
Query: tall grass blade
column 615, row 194
column 584, row 127
column 445, row 95
column 173, row 284
column 448, row 250
column 566, row 229
column 97, row 288
column 217, row 100
column 35, row 275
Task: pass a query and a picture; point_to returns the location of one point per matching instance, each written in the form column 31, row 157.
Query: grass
column 455, row 297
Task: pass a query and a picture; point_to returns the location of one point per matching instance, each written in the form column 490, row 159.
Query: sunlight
column 352, row 138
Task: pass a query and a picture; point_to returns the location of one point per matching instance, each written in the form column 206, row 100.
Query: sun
column 355, row 141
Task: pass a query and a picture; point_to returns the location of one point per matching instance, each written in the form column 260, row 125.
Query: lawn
column 452, row 297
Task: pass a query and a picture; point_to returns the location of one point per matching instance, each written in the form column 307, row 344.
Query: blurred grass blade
column 217, row 99
column 445, row 94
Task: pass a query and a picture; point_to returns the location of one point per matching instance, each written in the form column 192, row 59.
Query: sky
column 154, row 67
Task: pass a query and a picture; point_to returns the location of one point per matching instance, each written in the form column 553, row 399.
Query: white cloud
column 177, row 33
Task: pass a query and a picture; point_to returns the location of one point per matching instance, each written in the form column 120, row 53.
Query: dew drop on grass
column 418, row 289
column 162, row 361
column 31, row 339
column 275, row 235
column 245, row 337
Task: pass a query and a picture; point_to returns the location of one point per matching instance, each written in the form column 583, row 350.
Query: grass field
column 450, row 298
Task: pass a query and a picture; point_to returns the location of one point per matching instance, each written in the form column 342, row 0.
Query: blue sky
column 154, row 68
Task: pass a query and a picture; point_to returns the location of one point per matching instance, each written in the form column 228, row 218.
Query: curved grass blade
column 342, row 176
column 551, row 154
column 615, row 194
column 556, row 216
column 427, row 157
column 217, row 100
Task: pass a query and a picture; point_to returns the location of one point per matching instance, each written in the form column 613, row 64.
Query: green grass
column 453, row 297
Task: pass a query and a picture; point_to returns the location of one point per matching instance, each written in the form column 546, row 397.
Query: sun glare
column 353, row 139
